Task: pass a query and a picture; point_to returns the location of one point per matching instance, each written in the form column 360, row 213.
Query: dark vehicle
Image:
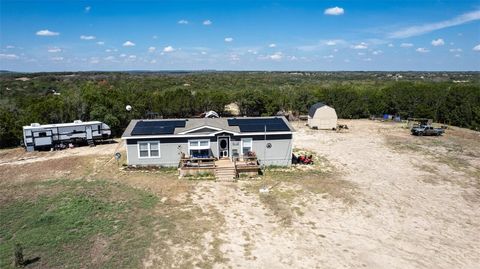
column 427, row 130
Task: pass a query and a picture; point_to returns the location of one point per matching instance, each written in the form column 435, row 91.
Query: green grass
column 60, row 222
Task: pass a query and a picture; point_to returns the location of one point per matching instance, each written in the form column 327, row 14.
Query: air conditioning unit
column 77, row 121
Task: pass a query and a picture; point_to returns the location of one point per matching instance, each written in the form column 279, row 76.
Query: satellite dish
column 128, row 107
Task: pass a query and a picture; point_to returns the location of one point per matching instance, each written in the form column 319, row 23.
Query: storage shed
column 321, row 116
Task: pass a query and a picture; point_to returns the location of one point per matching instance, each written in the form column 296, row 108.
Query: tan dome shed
column 323, row 117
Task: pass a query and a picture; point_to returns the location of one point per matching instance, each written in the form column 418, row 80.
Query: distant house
column 164, row 142
column 323, row 117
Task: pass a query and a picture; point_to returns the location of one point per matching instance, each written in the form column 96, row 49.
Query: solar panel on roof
column 259, row 125
column 157, row 127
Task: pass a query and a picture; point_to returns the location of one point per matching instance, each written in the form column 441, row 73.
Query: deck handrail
column 197, row 161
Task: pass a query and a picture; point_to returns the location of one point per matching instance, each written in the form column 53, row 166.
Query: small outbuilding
column 323, row 117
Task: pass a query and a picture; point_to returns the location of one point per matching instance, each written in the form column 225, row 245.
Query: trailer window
column 42, row 134
column 149, row 149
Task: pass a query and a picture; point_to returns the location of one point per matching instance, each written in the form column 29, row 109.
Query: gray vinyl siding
column 279, row 154
column 169, row 153
column 171, row 149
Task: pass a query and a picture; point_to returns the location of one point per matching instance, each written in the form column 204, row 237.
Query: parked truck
column 427, row 130
column 48, row 136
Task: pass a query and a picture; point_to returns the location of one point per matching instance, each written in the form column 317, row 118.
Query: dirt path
column 398, row 221
column 401, row 221
column 19, row 156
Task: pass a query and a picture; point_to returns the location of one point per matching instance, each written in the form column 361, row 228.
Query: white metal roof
column 70, row 124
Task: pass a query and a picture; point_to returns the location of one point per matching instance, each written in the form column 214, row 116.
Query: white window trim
column 198, row 147
column 149, row 149
column 242, row 141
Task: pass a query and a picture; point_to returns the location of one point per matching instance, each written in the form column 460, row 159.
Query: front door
column 88, row 129
column 223, row 150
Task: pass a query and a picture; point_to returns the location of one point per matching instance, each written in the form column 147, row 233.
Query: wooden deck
column 223, row 169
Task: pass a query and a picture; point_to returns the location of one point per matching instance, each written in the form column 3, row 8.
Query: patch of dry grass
column 287, row 187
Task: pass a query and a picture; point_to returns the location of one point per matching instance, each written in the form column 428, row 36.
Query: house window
column 199, row 148
column 149, row 149
column 247, row 144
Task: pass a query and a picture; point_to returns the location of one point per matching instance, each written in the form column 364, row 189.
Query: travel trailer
column 49, row 136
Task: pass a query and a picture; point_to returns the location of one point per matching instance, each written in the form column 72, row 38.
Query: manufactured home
column 165, row 142
column 48, row 136
column 322, row 117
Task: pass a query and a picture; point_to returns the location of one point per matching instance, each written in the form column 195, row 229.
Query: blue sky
column 239, row 35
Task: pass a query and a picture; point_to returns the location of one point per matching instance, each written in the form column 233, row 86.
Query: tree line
column 56, row 98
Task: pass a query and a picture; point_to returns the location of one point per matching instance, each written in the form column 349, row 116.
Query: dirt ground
column 377, row 198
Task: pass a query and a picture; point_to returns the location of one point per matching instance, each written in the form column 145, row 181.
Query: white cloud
column 391, row 45
column 334, row 11
column 101, row 43
column 367, row 59
column 406, row 45
column 87, row 37
column 427, row 28
column 422, row 50
column 458, row 55
column 109, row 58
column 360, row 46
column 153, row 61
column 133, row 57
column 438, row 42
column 87, row 9
column 476, row 48
column 328, row 57
column 94, row 60
column 108, row 50
column 277, row 56
column 273, row 45
column 123, row 55
column 234, row 57
column 182, row 22
column 377, row 52
column 331, row 43
column 168, row 49
column 361, row 54
column 47, row 33
column 8, row 56
column 455, row 50
column 207, row 22
column 151, row 49
column 128, row 44
column 57, row 58
column 228, row 39
column 155, row 37
column 203, row 53
column 10, row 47
column 54, row 50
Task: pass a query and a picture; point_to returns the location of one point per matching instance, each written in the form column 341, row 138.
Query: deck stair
column 91, row 143
column 225, row 170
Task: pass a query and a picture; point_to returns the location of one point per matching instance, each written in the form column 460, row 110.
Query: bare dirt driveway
column 376, row 197
column 393, row 201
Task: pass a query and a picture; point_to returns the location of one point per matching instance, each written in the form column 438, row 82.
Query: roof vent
column 35, row 124
column 77, row 121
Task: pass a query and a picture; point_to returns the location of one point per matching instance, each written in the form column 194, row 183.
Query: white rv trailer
column 47, row 136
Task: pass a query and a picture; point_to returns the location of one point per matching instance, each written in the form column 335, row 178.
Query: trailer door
column 88, row 129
